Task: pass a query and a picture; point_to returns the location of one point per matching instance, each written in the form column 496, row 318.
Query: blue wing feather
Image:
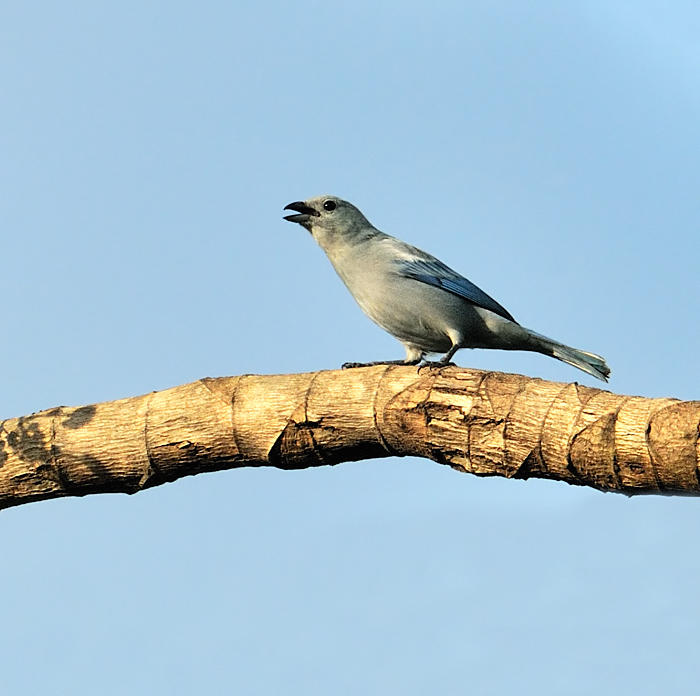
column 427, row 269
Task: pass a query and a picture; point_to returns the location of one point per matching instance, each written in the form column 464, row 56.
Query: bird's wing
column 416, row 264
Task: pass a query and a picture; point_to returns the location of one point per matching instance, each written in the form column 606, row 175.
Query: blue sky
column 549, row 151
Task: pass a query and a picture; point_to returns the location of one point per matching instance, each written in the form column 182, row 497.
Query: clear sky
column 549, row 151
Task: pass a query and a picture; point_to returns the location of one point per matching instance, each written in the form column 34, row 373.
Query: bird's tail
column 588, row 362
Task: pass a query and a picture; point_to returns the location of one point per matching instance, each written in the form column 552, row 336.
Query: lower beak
column 305, row 212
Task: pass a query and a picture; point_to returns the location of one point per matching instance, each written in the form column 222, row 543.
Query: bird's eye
column 329, row 205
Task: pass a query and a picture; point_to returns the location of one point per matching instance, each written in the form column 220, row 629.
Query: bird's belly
column 418, row 314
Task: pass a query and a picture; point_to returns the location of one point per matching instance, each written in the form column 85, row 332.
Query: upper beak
column 306, row 211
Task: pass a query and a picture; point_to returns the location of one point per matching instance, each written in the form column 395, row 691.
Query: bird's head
column 328, row 218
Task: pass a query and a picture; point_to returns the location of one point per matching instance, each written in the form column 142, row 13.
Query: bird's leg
column 445, row 360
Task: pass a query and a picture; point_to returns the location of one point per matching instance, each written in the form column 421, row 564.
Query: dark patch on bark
column 28, row 442
column 80, row 417
column 533, row 465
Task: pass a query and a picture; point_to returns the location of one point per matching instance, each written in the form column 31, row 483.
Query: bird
column 422, row 302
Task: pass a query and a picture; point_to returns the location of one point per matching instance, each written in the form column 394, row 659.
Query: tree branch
column 484, row 423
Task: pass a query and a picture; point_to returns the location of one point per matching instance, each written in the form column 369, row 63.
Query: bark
column 484, row 423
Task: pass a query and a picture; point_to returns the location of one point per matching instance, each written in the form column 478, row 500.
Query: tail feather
column 591, row 363
column 588, row 362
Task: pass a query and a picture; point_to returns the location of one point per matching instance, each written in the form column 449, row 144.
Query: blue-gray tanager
column 415, row 297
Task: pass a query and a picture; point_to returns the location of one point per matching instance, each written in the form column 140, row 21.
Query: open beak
column 305, row 212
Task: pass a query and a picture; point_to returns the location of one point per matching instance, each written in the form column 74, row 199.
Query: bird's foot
column 434, row 365
column 350, row 365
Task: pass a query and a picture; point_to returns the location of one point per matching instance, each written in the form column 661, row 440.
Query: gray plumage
column 415, row 297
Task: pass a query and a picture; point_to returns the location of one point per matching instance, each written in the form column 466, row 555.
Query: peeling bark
column 483, row 423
